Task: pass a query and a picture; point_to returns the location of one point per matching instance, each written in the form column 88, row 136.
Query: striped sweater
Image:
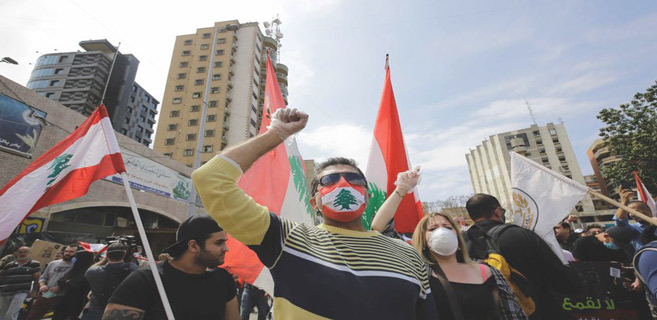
column 319, row 272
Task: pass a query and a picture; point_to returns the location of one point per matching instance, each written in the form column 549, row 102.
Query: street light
column 9, row 60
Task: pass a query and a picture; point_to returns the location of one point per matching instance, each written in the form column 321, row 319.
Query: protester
column 48, row 284
column 10, row 257
column 193, row 291
column 252, row 296
column 645, row 266
column 526, row 252
column 564, row 233
column 602, row 247
column 104, row 277
column 75, row 288
column 592, row 230
column 16, row 280
column 622, row 217
column 335, row 270
column 383, row 220
column 481, row 291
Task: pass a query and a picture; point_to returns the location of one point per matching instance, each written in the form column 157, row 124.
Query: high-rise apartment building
column 600, row 157
column 77, row 80
column 219, row 71
column 490, row 163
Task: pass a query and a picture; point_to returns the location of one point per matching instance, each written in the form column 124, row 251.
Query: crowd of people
column 338, row 269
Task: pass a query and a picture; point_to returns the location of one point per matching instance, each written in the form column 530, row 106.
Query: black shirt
column 105, row 279
column 191, row 296
column 476, row 300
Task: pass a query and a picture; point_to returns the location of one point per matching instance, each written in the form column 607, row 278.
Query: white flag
column 542, row 198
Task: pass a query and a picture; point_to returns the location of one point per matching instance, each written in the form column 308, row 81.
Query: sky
column 461, row 70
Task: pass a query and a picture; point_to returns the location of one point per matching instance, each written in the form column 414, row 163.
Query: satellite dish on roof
column 266, row 24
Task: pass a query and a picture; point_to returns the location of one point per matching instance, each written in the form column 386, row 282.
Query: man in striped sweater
column 17, row 278
column 337, row 270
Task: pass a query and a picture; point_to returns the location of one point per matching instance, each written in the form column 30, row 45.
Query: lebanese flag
column 277, row 180
column 387, row 158
column 93, row 247
column 62, row 173
column 645, row 195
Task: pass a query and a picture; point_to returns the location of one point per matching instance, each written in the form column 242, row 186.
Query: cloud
column 587, row 82
column 339, row 140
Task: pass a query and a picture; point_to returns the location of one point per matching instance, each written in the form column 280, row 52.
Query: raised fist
column 286, row 122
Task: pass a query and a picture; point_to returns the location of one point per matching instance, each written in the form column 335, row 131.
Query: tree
column 344, row 199
column 630, row 132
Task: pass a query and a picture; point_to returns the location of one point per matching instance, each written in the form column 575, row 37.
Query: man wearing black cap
column 196, row 289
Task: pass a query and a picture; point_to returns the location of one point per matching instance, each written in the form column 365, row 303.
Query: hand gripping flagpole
column 147, row 247
column 624, row 207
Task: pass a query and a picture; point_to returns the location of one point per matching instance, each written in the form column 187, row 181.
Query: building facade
column 214, row 92
column 600, row 156
column 490, row 164
column 77, row 80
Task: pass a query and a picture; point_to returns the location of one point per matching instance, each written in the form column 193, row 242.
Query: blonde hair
column 420, row 242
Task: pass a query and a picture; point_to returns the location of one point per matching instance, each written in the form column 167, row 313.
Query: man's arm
column 232, row 310
column 405, row 181
column 622, row 215
column 43, row 279
column 120, row 312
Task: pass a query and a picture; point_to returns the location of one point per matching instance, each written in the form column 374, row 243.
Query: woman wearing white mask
column 474, row 291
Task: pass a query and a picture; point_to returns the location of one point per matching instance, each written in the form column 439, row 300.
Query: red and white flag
column 388, row 157
column 62, row 173
column 93, row 247
column 278, row 181
column 645, row 196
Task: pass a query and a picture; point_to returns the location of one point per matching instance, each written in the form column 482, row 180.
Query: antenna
column 273, row 30
column 531, row 111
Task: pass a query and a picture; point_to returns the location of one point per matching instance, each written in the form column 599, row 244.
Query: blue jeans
column 10, row 304
column 251, row 297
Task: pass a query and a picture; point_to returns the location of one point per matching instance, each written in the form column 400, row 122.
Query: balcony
column 602, row 152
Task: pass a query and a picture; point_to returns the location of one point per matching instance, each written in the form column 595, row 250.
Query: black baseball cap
column 194, row 227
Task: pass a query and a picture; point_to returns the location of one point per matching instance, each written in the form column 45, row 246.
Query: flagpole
column 624, row 207
column 102, row 98
column 147, row 247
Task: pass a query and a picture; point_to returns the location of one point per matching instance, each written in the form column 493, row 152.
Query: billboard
column 20, row 126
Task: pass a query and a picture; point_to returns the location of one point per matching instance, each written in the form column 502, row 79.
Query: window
column 180, row 87
column 172, row 127
column 54, row 83
column 212, row 118
column 188, row 152
column 59, row 71
column 188, row 42
column 198, row 82
column 553, row 131
column 192, row 123
column 196, row 95
column 182, row 75
column 138, row 139
column 206, row 35
column 177, row 100
column 144, row 109
column 214, row 90
column 216, row 76
column 168, row 154
column 184, row 64
column 62, row 58
column 142, row 119
column 200, row 69
column 204, row 46
column 202, row 58
column 218, row 64
column 255, row 96
column 132, row 99
column 219, row 52
column 169, row 141
column 191, row 137
column 140, row 129
column 174, row 113
column 221, row 40
column 253, row 123
column 209, row 133
column 207, row 148
column 127, row 120
column 50, row 94
column 129, row 110
column 213, row 104
column 186, row 53
column 195, row 108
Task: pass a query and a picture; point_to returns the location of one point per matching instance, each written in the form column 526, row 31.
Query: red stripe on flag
column 77, row 182
column 60, row 147
column 388, row 135
column 641, row 188
column 242, row 261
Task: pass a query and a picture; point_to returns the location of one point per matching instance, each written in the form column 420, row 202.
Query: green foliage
column 377, row 198
column 299, row 178
column 181, row 191
column 630, row 131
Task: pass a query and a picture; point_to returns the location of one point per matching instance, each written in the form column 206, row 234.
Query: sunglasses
column 351, row 177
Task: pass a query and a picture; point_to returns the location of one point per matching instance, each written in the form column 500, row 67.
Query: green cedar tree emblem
column 57, row 167
column 344, row 199
column 299, row 178
column 377, row 198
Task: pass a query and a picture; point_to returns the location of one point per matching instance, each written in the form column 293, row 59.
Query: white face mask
column 443, row 241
